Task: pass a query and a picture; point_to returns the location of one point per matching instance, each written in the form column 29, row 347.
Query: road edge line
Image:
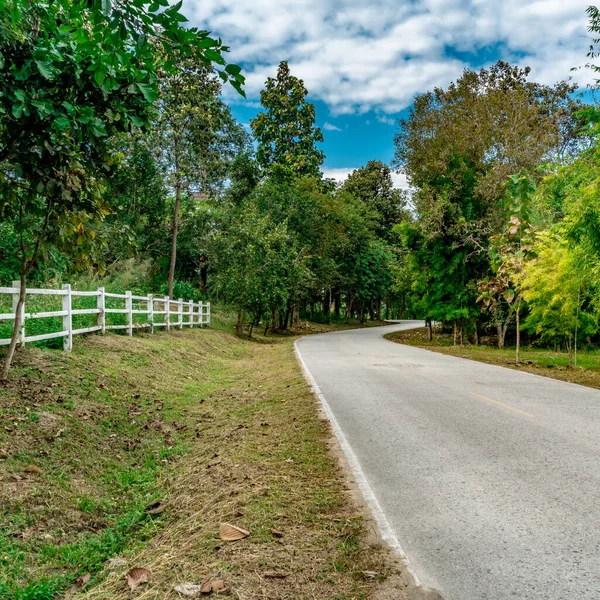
column 385, row 529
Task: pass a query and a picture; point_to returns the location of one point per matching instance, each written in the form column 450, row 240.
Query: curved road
column 490, row 478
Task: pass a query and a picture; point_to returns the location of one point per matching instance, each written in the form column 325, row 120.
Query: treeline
column 506, row 206
column 116, row 145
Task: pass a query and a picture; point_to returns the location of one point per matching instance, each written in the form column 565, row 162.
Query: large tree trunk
column 455, row 331
column 175, row 231
column 327, row 303
column 429, row 329
column 16, row 326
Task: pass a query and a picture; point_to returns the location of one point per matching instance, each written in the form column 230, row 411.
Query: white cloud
column 358, row 57
column 340, row 174
column 330, row 127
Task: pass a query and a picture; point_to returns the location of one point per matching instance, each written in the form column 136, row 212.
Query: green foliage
column 285, row 131
column 374, row 186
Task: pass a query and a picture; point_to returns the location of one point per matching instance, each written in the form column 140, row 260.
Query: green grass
column 216, row 426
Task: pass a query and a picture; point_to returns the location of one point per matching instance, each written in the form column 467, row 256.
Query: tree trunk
column 461, row 330
column 349, row 309
column 16, row 326
column 429, row 329
column 501, row 334
column 518, row 323
column 272, row 321
column 327, row 303
column 337, row 304
column 476, row 334
column 455, row 332
column 569, row 348
column 239, row 326
column 175, row 231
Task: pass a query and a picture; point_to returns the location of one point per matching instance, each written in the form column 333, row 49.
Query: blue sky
column 363, row 61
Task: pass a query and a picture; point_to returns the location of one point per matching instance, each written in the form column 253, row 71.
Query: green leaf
column 149, row 92
column 233, row 69
column 137, row 121
column 45, row 69
column 17, row 110
column 61, row 123
column 214, row 56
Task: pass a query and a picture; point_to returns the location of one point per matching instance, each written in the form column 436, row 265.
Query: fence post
column 129, row 308
column 15, row 303
column 151, row 312
column 180, row 313
column 191, row 304
column 101, row 304
column 208, row 313
column 200, row 309
column 168, row 312
column 67, row 305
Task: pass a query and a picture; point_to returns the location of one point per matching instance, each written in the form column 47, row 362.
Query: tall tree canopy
column 285, row 131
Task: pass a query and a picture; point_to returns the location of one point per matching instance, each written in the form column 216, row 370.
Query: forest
column 121, row 162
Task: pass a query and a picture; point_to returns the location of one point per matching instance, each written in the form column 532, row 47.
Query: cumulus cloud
column 358, row 57
column 330, row 127
column 340, row 175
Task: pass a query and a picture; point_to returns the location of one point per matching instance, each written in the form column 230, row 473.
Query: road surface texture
column 490, row 478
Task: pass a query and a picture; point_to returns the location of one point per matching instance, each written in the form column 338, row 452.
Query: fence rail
column 173, row 314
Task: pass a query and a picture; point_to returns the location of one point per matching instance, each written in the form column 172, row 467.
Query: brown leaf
column 3, row 454
column 213, row 585
column 155, row 508
column 83, row 579
column 231, row 533
column 276, row 533
column 33, row 469
column 136, row 576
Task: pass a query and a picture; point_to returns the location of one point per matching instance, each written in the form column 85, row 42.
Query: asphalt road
column 490, row 478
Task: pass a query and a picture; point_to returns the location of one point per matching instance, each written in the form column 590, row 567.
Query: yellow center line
column 517, row 410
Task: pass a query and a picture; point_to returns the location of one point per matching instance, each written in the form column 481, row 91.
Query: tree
column 374, row 186
column 285, row 131
column 556, row 285
column 73, row 74
column 458, row 147
column 508, row 252
column 197, row 136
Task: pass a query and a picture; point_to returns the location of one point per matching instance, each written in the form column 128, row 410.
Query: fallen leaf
column 155, row 508
column 213, row 585
column 231, row 533
column 371, row 574
column 276, row 533
column 274, row 575
column 3, row 454
column 189, row 589
column 79, row 583
column 33, row 469
column 136, row 576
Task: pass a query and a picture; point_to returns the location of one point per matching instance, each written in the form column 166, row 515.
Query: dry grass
column 236, row 437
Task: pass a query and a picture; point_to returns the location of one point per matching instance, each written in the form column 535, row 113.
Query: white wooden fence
column 185, row 313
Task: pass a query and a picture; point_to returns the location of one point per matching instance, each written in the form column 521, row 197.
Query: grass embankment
column 541, row 361
column 217, row 428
